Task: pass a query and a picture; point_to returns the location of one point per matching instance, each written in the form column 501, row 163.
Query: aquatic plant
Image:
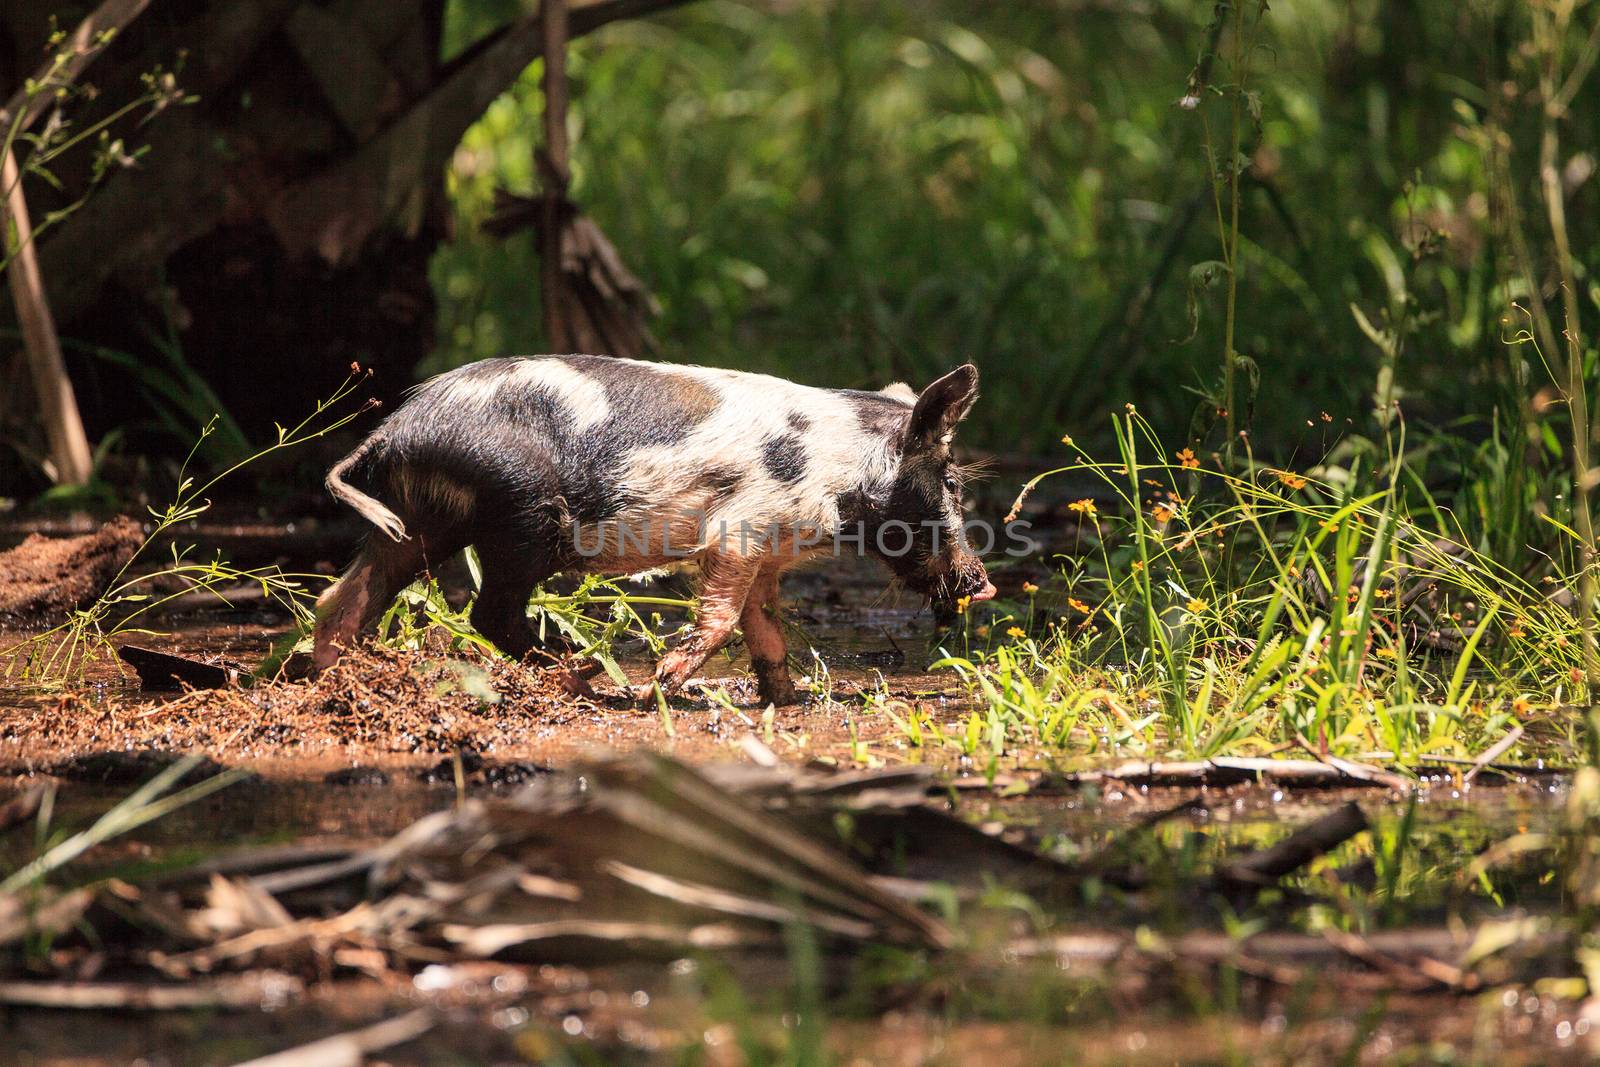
column 58, row 656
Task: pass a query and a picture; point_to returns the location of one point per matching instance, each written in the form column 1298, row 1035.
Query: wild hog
column 614, row 466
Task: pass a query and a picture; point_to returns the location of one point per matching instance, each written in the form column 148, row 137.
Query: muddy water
column 708, row 1009
column 725, row 1011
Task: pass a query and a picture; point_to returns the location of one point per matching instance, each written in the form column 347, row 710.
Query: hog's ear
column 942, row 405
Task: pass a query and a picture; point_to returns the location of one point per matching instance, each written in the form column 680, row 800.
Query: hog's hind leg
column 362, row 593
column 515, row 558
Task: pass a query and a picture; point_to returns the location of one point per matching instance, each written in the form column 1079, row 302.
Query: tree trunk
column 281, row 226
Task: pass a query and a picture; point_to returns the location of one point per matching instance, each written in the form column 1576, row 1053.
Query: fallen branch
column 244, row 992
column 1494, row 752
column 1361, row 771
column 78, row 50
column 351, row 1049
column 1295, row 851
column 1235, row 770
column 1438, row 953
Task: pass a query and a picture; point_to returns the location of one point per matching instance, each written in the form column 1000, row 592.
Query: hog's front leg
column 726, row 582
column 763, row 636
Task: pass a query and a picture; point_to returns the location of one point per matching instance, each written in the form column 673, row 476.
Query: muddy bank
column 407, row 708
column 43, row 578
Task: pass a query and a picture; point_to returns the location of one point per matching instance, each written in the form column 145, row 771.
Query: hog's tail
column 367, row 507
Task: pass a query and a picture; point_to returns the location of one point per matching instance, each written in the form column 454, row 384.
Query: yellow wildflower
column 1016, row 633
column 1331, row 527
column 1187, row 458
column 1161, row 513
column 1516, row 629
column 1067, row 440
column 1387, row 652
column 1083, row 507
column 962, row 604
column 1077, row 605
column 1029, row 588
column 1196, row 605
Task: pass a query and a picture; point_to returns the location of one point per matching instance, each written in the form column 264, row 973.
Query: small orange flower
column 1067, row 440
column 1331, row 527
column 1382, row 594
column 1187, row 459
column 1161, row 513
column 1138, row 564
column 1079, row 606
column 1029, row 588
column 1290, row 479
column 1016, row 633
column 1521, row 707
column 962, row 604
column 1083, row 507
column 1195, row 605
column 1516, row 629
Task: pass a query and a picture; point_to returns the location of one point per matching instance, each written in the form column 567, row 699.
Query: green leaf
column 1201, row 276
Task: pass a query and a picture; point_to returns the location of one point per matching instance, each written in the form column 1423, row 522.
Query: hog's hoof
column 783, row 697
column 774, row 685
column 574, row 676
column 575, row 684
column 644, row 696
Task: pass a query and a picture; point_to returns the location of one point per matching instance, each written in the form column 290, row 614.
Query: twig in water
column 1494, row 752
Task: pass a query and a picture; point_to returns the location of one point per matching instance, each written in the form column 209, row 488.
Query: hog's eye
column 951, row 484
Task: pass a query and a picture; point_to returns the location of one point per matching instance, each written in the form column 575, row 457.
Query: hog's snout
column 968, row 580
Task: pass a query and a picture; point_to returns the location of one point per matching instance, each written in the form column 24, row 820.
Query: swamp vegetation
column 1279, row 745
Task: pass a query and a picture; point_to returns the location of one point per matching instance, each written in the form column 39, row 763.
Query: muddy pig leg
column 361, row 594
column 763, row 636
column 512, row 565
column 725, row 586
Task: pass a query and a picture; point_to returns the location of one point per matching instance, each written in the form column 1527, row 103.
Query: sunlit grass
column 1251, row 610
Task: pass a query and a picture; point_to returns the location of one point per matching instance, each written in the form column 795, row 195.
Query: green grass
column 1195, row 620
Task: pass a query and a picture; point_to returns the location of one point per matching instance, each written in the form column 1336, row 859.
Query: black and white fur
column 528, row 458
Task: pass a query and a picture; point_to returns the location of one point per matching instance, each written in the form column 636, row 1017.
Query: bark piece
column 46, row 577
column 163, row 670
